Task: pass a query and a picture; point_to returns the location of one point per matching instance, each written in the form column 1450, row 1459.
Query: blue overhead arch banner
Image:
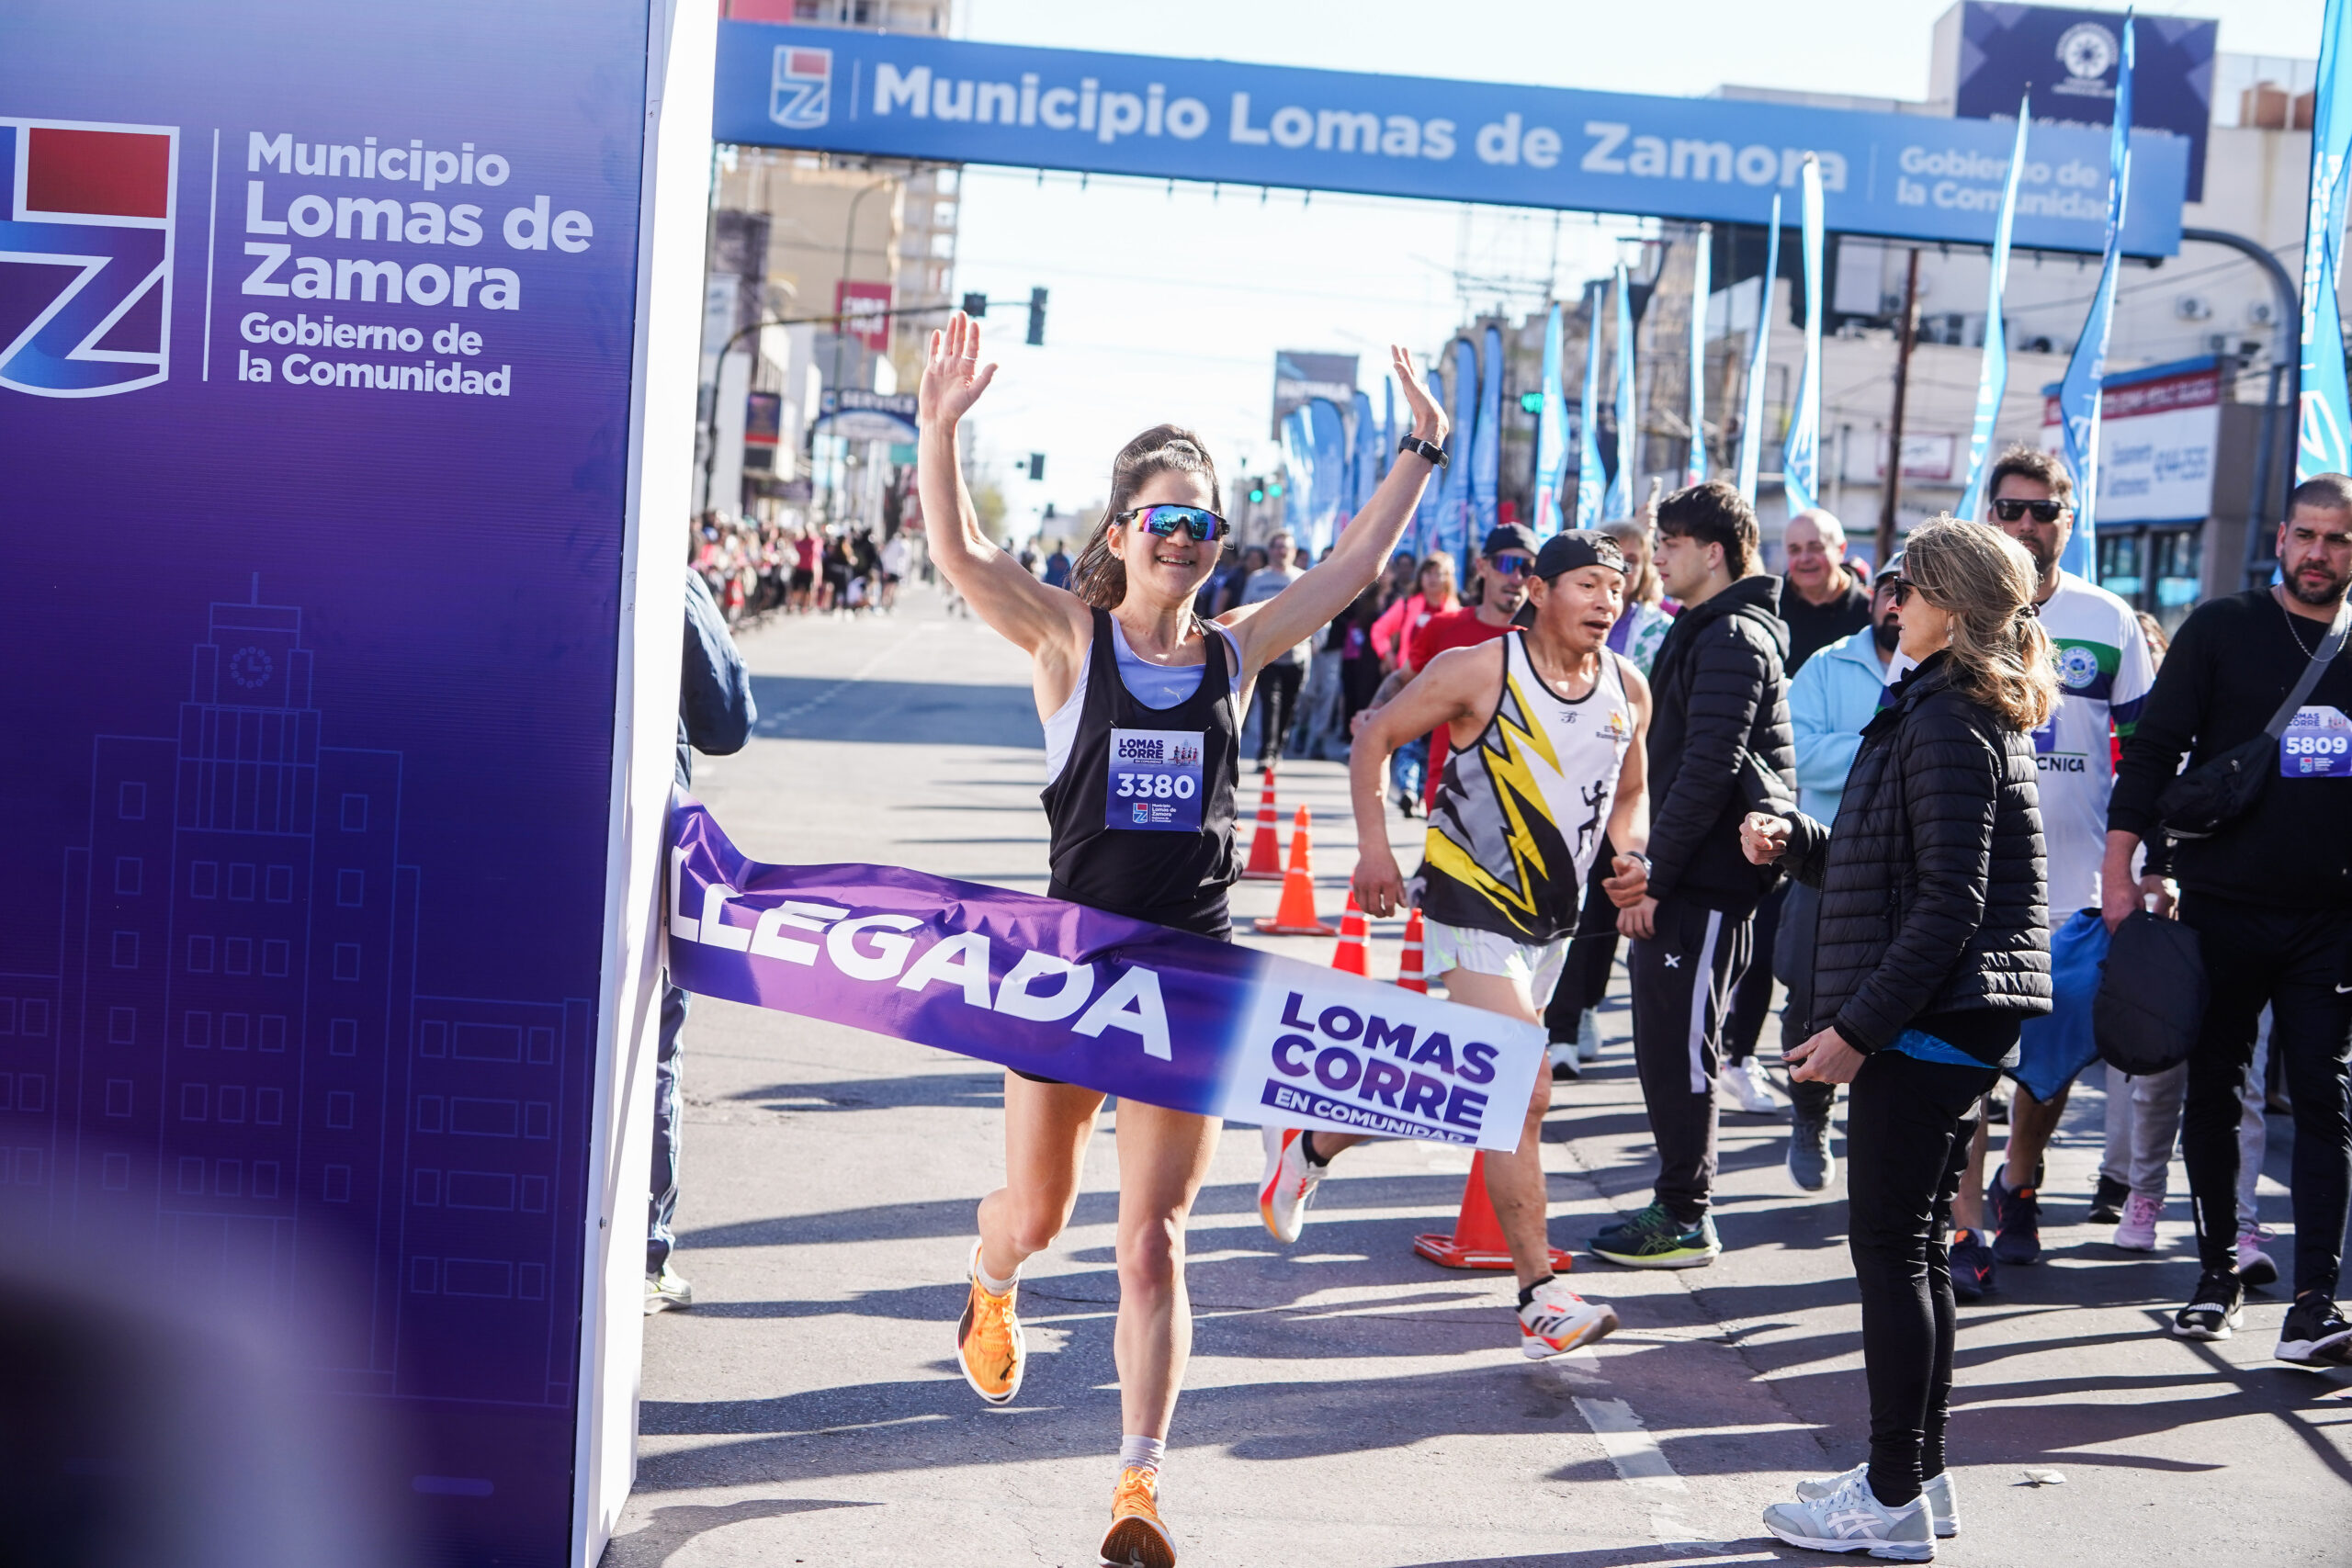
column 1904, row 176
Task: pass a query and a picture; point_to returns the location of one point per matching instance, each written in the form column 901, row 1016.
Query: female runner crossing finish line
column 1546, row 727
column 1141, row 702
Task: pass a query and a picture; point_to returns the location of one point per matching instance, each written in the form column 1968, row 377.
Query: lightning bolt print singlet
column 1520, row 814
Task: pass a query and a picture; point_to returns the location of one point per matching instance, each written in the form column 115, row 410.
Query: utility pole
column 1889, row 488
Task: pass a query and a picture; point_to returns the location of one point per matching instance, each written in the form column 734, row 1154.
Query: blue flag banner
column 1592, row 476
column 1751, row 417
column 1453, row 511
column 1060, row 990
column 1423, row 534
column 1695, row 468
column 1801, row 457
column 1993, row 374
column 2078, row 392
column 1551, row 433
column 2324, row 441
column 1331, row 428
column 1629, row 439
column 1363, row 468
column 1298, row 463
column 1487, row 445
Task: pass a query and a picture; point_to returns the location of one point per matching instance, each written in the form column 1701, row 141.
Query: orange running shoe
column 1137, row 1539
column 989, row 1342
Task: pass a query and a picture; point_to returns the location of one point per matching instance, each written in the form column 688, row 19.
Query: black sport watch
column 1420, row 447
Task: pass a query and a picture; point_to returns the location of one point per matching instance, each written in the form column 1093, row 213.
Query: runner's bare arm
column 1459, row 688
column 1297, row 613
column 1024, row 611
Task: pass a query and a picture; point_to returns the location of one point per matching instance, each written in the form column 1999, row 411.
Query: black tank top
column 1142, row 813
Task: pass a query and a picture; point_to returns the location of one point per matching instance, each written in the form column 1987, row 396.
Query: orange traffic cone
column 1478, row 1241
column 1295, row 915
column 1352, row 957
column 1265, row 849
column 1409, row 967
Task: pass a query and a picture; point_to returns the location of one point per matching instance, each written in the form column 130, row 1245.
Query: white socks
column 1143, row 1452
column 993, row 1286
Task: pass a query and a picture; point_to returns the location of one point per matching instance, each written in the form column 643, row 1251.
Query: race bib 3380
column 1154, row 781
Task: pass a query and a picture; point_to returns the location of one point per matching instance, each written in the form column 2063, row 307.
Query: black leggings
column 1277, row 703
column 2297, row 961
column 1584, row 979
column 1751, row 1004
column 1908, row 1124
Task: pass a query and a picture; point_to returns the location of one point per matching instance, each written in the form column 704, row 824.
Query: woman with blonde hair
column 1642, row 624
column 1934, row 947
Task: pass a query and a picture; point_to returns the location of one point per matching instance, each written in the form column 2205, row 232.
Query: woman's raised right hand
column 1763, row 837
column 953, row 376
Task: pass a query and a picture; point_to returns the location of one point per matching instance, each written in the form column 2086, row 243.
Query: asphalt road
column 1347, row 1402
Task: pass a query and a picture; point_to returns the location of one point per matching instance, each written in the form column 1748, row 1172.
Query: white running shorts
column 1447, row 947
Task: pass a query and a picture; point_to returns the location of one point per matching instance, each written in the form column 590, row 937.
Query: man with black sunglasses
column 1506, row 565
column 2104, row 674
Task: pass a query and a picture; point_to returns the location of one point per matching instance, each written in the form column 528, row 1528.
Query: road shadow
column 671, row 1527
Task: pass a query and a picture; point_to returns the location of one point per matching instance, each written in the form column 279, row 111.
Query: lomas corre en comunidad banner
column 1063, row 991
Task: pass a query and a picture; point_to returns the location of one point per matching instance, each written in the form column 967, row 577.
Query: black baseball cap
column 1509, row 536
column 1894, row 568
column 1576, row 548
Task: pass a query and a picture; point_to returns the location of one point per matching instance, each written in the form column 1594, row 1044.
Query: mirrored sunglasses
column 1513, row 564
column 1163, row 521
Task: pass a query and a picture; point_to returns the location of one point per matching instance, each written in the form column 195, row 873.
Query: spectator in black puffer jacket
column 1934, row 947
column 1719, row 745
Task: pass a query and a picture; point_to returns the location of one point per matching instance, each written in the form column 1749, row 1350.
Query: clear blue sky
column 1169, row 306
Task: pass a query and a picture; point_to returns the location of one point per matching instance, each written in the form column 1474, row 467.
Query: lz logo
column 85, row 256
column 800, row 90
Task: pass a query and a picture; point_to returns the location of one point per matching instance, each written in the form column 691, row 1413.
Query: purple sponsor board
column 1068, row 992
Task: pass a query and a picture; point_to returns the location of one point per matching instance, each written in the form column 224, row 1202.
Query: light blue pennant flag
column 2324, row 443
column 1751, row 417
column 1593, row 479
column 2078, row 393
column 1993, row 374
column 1801, row 457
column 1629, row 444
column 1551, row 433
column 1695, row 468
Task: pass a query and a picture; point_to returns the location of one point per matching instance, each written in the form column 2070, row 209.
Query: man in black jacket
column 1720, row 746
column 715, row 714
column 2270, row 898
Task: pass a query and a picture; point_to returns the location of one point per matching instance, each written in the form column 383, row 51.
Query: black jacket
column 1718, row 696
column 715, row 708
column 1933, row 893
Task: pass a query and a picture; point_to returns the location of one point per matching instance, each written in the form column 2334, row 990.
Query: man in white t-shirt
column 2104, row 673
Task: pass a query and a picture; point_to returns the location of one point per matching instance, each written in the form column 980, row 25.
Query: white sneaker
column 1942, row 1512
column 1749, row 1089
column 1588, row 1037
column 1557, row 1319
column 665, row 1290
column 1289, row 1181
column 1852, row 1520
column 2256, row 1266
column 2138, row 1231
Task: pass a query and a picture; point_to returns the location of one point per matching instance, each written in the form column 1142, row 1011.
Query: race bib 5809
column 1154, row 781
column 2318, row 744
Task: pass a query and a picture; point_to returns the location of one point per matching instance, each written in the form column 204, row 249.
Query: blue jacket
column 1832, row 697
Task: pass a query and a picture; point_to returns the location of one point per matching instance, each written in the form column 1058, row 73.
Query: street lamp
column 849, row 241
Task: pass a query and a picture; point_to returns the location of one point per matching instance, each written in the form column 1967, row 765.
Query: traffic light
column 1036, row 317
column 1257, row 494
column 975, row 305
column 1274, row 488
column 1037, row 465
column 1530, row 402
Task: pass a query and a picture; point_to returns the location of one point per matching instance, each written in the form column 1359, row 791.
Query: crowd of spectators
column 755, row 568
